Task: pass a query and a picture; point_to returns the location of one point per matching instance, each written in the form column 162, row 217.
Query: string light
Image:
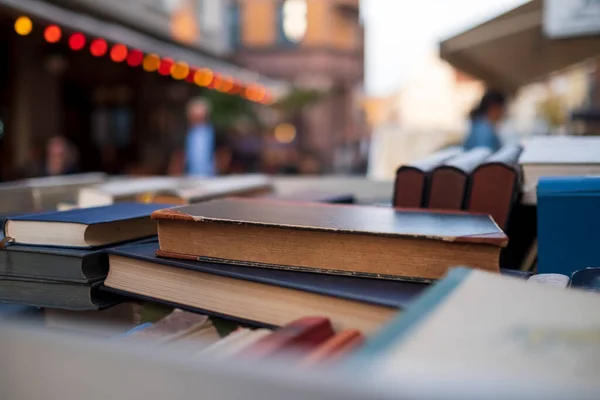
column 135, row 58
column 180, row 70
column 191, row 75
column 226, row 84
column 98, row 47
column 52, row 34
column 203, row 77
column 23, row 26
column 76, row 41
column 151, row 62
column 118, row 53
column 165, row 66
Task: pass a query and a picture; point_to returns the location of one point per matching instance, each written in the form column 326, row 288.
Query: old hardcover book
column 315, row 196
column 449, row 184
column 267, row 297
column 126, row 189
column 495, row 185
column 233, row 185
column 53, row 263
column 326, row 238
column 53, row 294
column 411, row 187
column 84, row 228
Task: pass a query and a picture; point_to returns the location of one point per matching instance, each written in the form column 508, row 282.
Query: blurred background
column 282, row 86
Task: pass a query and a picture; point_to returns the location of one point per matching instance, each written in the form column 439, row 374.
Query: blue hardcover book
column 57, row 263
column 475, row 326
column 568, row 211
column 268, row 297
column 85, row 227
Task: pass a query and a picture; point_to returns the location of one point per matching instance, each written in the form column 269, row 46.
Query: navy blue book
column 266, row 297
column 568, row 224
column 56, row 263
column 85, row 227
column 55, row 294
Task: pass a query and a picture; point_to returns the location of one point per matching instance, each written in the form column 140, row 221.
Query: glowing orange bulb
column 226, row 84
column 23, row 26
column 151, row 62
column 118, row 53
column 203, row 77
column 52, row 34
column 180, row 70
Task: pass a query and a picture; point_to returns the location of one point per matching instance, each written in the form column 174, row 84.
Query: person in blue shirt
column 200, row 140
column 484, row 120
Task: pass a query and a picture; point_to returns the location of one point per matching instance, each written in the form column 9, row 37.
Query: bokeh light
column 165, row 66
column 118, row 53
column 23, row 26
column 151, row 62
column 203, row 77
column 180, row 70
column 98, row 47
column 52, row 34
column 135, row 58
column 226, row 84
column 285, row 133
column 191, row 75
column 77, row 41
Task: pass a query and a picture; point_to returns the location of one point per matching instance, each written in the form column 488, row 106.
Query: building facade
column 315, row 44
column 117, row 113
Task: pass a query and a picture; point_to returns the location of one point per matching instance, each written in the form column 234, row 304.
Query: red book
column 335, row 348
column 412, row 180
column 301, row 335
column 495, row 185
column 450, row 182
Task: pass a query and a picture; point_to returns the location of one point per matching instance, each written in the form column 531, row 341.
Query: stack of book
column 57, row 259
column 476, row 181
column 270, row 262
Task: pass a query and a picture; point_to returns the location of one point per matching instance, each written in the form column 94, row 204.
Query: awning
column 511, row 50
column 117, row 33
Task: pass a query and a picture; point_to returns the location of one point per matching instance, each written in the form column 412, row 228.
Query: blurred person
column 61, row 157
column 200, row 141
column 484, row 122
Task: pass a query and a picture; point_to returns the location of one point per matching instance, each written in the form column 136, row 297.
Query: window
column 235, row 24
column 292, row 21
column 210, row 15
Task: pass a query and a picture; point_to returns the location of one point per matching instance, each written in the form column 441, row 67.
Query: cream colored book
column 235, row 343
column 124, row 189
column 480, row 325
column 557, row 156
column 208, row 189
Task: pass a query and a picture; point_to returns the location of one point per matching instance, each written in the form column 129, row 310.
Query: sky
column 400, row 34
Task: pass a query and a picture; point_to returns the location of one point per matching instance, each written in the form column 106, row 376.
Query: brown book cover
column 412, row 180
column 330, row 238
column 450, row 182
column 495, row 185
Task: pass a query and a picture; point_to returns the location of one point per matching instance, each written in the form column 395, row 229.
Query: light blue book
column 475, row 325
column 133, row 330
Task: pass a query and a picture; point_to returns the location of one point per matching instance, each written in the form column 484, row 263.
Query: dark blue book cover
column 84, row 228
column 94, row 215
column 397, row 294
